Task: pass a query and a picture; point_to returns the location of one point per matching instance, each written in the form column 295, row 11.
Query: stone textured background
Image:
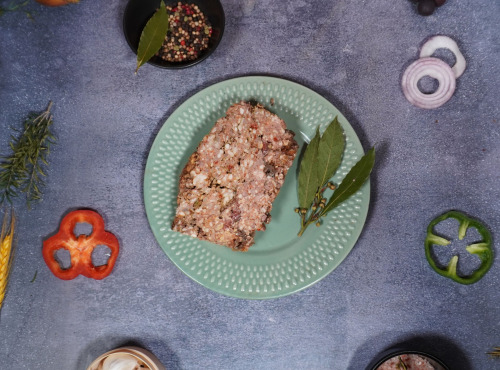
column 353, row 53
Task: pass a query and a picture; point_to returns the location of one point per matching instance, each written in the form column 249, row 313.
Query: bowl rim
column 181, row 65
column 141, row 354
column 386, row 355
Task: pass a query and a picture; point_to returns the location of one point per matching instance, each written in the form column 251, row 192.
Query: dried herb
column 308, row 179
column 495, row 353
column 34, row 277
column 320, row 162
column 13, row 6
column 152, row 36
column 401, row 364
column 330, row 150
column 353, row 181
column 23, row 170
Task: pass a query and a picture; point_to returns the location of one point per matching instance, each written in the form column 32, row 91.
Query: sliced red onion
column 432, row 67
column 444, row 42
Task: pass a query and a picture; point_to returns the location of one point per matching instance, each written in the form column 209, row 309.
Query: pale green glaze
column 280, row 263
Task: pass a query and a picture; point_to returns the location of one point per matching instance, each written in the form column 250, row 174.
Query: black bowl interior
column 386, row 355
column 138, row 12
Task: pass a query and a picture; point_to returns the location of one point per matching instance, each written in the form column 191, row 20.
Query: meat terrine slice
column 228, row 186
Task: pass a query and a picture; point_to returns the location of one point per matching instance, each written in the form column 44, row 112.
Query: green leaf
column 308, row 178
column 352, row 182
column 152, row 36
column 330, row 150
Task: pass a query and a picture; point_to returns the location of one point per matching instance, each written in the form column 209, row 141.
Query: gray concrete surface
column 384, row 294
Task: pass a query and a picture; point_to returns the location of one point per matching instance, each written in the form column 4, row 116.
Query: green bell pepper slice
column 482, row 249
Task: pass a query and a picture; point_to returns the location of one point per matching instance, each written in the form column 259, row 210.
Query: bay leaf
column 152, row 36
column 330, row 150
column 308, row 179
column 352, row 182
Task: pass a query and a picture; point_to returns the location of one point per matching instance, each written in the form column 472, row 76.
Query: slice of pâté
column 227, row 189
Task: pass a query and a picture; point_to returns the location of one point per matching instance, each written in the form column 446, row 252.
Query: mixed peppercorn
column 188, row 34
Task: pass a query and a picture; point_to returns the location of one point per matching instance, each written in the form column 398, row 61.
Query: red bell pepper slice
column 80, row 247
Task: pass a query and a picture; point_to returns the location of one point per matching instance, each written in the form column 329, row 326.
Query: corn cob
column 6, row 253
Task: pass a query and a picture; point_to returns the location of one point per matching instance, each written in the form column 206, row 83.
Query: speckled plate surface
column 280, row 263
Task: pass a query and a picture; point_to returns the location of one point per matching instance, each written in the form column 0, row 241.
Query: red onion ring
column 432, row 67
column 444, row 42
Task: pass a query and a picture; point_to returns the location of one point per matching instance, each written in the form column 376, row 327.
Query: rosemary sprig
column 23, row 171
column 495, row 352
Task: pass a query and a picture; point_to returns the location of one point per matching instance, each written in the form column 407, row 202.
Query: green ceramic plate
column 280, row 263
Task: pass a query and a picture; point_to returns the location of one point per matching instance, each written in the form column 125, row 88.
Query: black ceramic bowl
column 138, row 12
column 383, row 357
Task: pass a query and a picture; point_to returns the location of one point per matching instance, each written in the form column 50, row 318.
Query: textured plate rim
column 363, row 212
